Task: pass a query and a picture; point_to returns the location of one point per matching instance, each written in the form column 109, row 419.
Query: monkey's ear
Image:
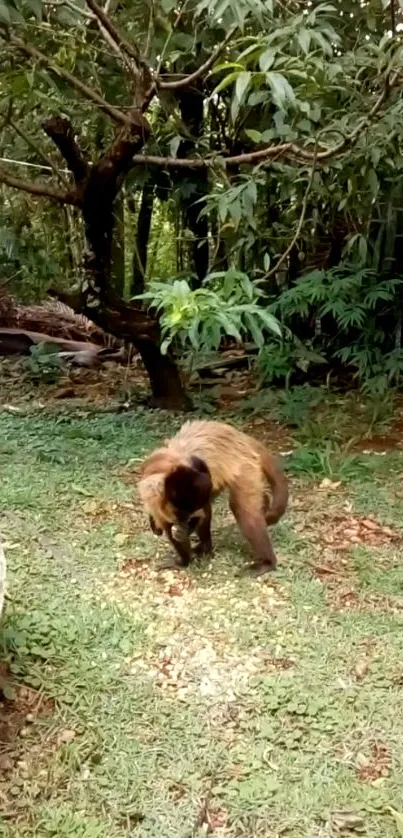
column 199, row 465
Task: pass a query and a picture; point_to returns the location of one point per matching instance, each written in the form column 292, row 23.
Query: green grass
column 163, row 703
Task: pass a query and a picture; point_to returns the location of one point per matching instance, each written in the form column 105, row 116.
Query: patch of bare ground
column 381, row 443
column 274, row 436
column 342, row 586
column 22, row 746
column 20, row 706
column 33, row 771
column 325, row 514
column 209, row 666
column 192, row 649
column 29, row 744
column 325, row 517
column 212, row 818
column 97, row 511
column 367, row 755
column 97, row 387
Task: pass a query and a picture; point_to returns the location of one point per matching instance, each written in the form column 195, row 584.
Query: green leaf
column 254, row 329
column 40, row 652
column 227, row 65
column 281, row 89
column 228, row 325
column 241, row 86
column 362, row 248
column 8, row 691
column 266, row 60
column 174, row 145
column 272, row 324
column 253, row 135
column 304, row 39
column 194, row 333
column 257, row 787
column 225, row 82
column 34, row 6
column 165, row 345
column 235, row 212
column 5, row 16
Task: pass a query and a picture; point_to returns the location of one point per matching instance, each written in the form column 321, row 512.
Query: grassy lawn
column 180, row 705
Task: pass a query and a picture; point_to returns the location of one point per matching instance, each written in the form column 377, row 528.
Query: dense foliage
column 271, row 155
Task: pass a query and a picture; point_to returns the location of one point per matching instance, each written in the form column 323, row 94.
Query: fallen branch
column 13, row 338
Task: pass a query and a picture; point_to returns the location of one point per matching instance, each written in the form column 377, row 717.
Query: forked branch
column 60, row 131
column 114, row 32
column 201, row 72
column 88, row 92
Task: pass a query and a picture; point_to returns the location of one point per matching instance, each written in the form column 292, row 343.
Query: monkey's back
column 227, row 451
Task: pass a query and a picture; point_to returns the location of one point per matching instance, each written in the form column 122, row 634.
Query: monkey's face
column 187, row 490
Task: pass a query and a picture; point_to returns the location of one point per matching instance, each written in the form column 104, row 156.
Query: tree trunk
column 194, row 184
column 121, row 319
column 165, row 382
column 118, row 247
column 142, row 238
column 97, row 188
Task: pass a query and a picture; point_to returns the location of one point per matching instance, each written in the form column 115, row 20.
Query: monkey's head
column 188, row 489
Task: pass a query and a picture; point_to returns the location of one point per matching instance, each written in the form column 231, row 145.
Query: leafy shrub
column 351, row 310
column 227, row 305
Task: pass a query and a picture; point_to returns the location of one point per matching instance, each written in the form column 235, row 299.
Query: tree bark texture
column 118, row 246
column 142, row 237
column 97, row 188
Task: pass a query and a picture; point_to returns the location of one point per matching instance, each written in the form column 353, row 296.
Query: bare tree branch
column 180, row 83
column 88, row 92
column 41, row 190
column 289, row 150
column 69, row 5
column 114, row 32
column 60, row 131
column 35, row 147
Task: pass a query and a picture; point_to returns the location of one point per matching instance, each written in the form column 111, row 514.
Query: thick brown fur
column 180, row 480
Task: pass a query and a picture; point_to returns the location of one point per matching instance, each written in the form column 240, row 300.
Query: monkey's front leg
column 203, row 532
column 156, row 530
column 182, row 548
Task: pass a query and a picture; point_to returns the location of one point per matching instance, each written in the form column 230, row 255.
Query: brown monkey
column 180, row 480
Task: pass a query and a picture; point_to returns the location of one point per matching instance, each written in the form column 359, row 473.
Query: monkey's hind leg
column 203, row 532
column 247, row 509
column 182, row 549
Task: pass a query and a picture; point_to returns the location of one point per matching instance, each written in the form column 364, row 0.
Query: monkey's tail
column 278, row 483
